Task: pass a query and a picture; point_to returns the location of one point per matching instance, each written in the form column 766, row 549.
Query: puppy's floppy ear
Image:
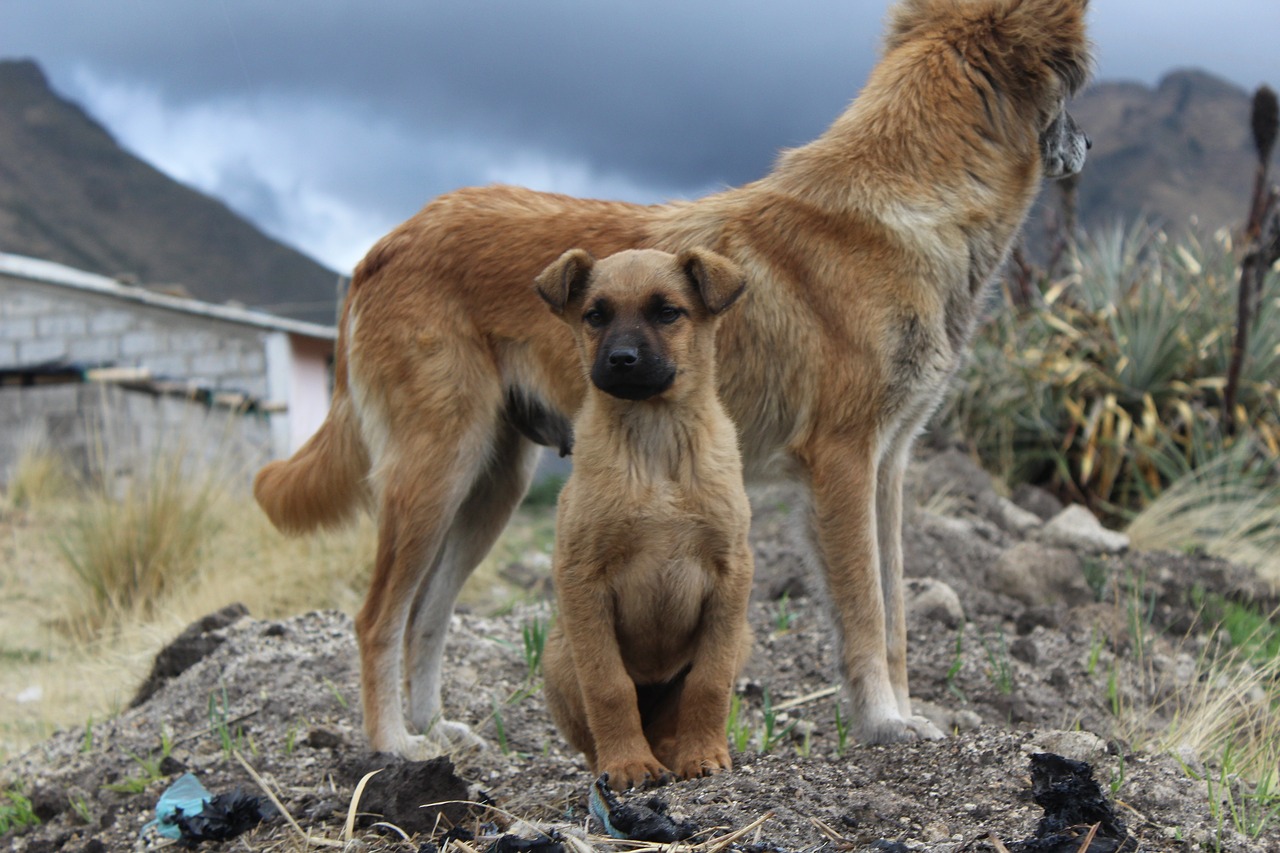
column 565, row 279
column 717, row 279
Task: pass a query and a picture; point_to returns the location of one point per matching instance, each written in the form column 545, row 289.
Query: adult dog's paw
column 455, row 737
column 897, row 730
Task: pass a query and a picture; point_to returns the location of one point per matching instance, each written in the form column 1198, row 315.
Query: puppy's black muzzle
column 627, row 369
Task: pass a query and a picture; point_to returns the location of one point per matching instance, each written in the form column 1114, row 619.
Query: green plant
column 1110, row 387
column 337, row 694
column 769, row 734
column 1095, row 576
column 1097, row 642
column 1001, row 666
column 80, row 806
column 957, row 661
column 150, row 771
column 220, row 722
column 736, row 726
column 534, row 634
column 842, row 731
column 86, row 741
column 805, row 747
column 501, row 728
column 1117, row 777
column 783, row 615
column 15, row 812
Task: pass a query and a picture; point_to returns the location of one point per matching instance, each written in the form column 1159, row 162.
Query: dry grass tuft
column 131, row 544
column 39, row 477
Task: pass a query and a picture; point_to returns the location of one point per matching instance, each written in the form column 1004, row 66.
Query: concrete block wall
column 109, row 431
column 41, row 323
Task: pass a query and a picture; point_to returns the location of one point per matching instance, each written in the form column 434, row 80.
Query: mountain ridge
column 70, row 193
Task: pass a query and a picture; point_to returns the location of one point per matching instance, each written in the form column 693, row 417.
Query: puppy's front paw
column 636, row 773
column 707, row 761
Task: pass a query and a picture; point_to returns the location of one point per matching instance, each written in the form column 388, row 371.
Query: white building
column 83, row 356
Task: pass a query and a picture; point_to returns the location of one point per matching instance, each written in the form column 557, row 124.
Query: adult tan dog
column 867, row 254
column 652, row 564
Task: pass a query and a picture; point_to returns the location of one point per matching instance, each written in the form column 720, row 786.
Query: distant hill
column 1179, row 154
column 70, row 193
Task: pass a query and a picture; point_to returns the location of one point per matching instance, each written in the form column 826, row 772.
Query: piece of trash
column 515, row 844
column 184, row 796
column 34, row 693
column 647, row 821
column 189, row 813
column 225, row 817
column 1073, row 805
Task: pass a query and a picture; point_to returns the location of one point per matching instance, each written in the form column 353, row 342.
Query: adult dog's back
column 866, row 250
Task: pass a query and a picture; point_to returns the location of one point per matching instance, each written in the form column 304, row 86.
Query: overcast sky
column 326, row 122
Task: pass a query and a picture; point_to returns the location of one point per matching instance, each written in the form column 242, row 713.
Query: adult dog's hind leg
column 412, row 525
column 493, row 497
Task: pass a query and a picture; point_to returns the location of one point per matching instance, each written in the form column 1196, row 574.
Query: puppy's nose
column 623, row 358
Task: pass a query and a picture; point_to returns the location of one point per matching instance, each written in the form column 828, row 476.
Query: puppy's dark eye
column 595, row 318
column 668, row 314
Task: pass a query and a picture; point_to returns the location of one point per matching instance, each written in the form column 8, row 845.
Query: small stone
column 1077, row 528
column 934, row 600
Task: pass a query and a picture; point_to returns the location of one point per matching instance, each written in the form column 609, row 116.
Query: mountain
column 1180, row 154
column 70, row 193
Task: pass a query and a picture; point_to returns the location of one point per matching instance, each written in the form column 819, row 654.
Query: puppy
column 652, row 564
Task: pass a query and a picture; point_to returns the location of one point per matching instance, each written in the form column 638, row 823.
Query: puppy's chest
column 658, row 603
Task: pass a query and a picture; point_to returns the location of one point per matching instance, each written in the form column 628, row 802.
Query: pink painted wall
column 309, row 387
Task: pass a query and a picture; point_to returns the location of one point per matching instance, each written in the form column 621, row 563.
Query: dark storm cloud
column 352, row 115
column 677, row 93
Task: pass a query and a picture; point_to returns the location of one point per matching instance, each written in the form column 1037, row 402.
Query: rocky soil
column 1019, row 644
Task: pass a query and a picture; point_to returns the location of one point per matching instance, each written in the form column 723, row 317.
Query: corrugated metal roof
column 48, row 272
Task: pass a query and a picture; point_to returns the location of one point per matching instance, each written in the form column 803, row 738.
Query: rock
column 1009, row 516
column 1077, row 528
column 934, row 600
column 1078, row 745
column 1036, row 500
column 952, row 475
column 1036, row 575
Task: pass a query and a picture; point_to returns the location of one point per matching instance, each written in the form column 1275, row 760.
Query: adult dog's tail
column 323, row 484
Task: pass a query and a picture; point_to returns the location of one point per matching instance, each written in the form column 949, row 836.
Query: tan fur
column 652, row 565
column 866, row 252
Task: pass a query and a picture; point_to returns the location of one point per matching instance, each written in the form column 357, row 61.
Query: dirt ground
column 1009, row 664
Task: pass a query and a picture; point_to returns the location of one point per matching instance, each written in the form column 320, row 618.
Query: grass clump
column 131, row 544
column 39, row 477
column 1111, row 387
column 15, row 812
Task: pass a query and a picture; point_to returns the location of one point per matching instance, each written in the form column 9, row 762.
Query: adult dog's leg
column 493, row 498
column 843, row 484
column 422, row 475
column 412, row 524
column 889, row 535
